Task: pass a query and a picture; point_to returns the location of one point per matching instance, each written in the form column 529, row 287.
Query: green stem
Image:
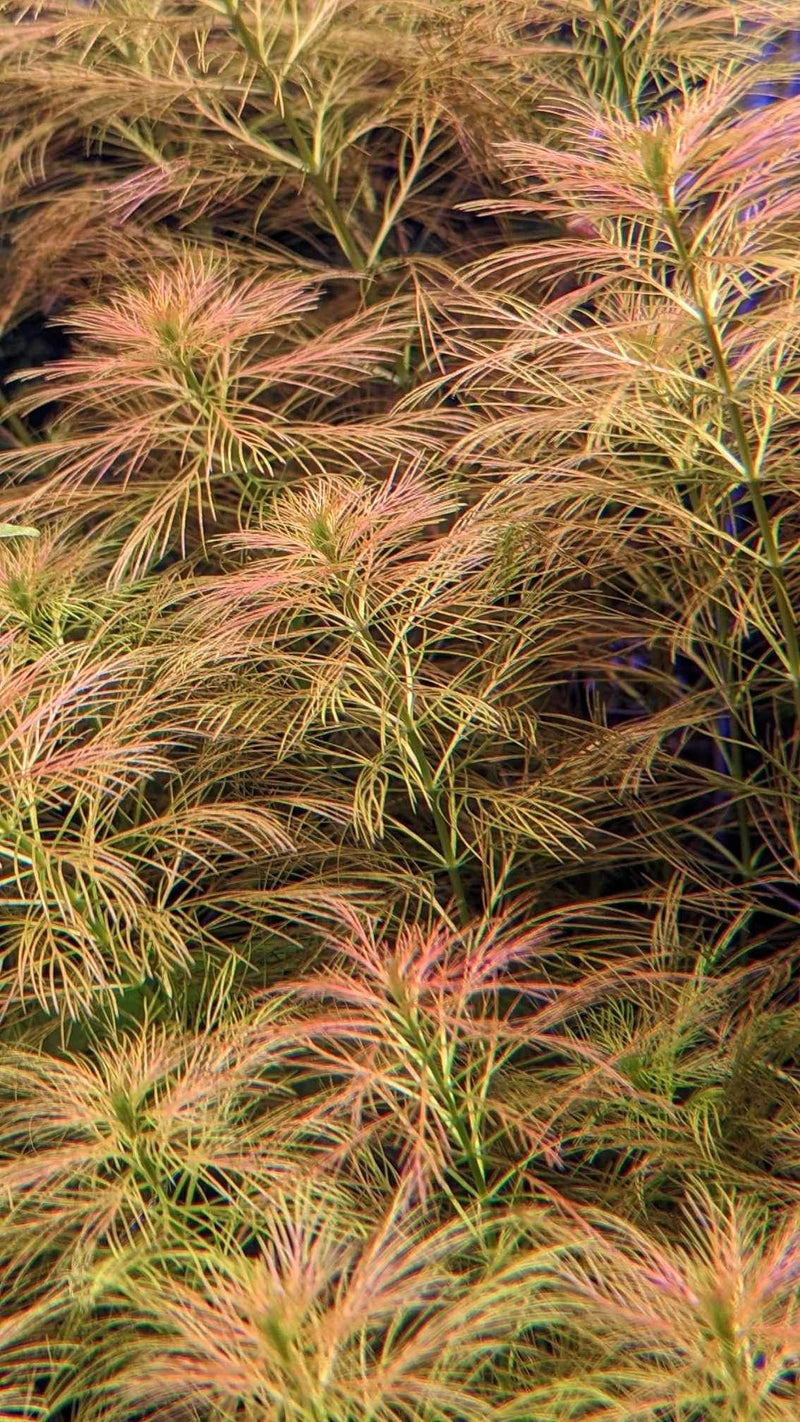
column 316, row 177
column 417, row 746
column 201, row 402
column 440, row 821
column 447, row 1094
column 20, row 432
column 735, row 759
column 617, row 58
column 746, row 457
column 327, row 197
column 728, row 747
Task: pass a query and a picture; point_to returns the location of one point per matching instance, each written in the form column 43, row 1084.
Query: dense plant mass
column 399, row 693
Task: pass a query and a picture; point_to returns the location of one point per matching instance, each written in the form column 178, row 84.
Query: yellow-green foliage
column 399, row 693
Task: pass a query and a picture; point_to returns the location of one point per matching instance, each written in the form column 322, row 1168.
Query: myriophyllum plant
column 670, row 398
column 399, row 690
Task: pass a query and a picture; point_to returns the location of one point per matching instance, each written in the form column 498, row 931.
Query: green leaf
column 18, row 530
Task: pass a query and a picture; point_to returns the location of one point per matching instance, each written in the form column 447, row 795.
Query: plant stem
column 20, row 433
column 443, row 1084
column 615, row 54
column 417, row 746
column 327, row 197
column 316, row 177
column 744, row 449
column 440, row 821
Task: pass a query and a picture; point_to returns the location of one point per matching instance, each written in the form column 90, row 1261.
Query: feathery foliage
column 399, row 708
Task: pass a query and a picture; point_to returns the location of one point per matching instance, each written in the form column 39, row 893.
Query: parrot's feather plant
column 399, row 711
